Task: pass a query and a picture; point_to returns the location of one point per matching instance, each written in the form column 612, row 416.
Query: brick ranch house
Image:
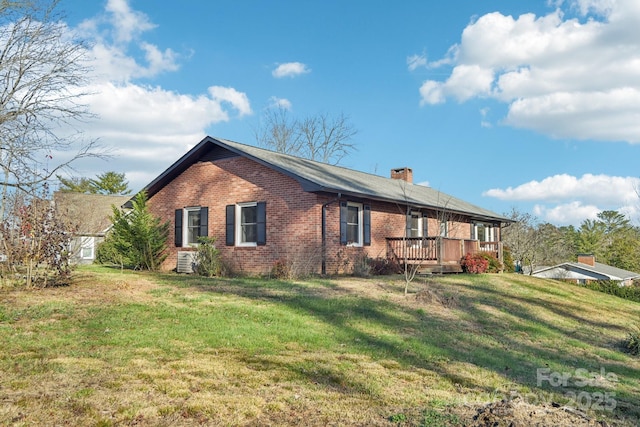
column 264, row 207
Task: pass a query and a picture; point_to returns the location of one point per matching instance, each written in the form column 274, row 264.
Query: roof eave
column 317, row 188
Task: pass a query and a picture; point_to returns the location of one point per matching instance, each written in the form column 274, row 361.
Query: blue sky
column 533, row 105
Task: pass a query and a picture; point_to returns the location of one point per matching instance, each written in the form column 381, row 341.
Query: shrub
column 361, row 267
column 507, row 258
column 106, row 253
column 474, row 263
column 384, row 266
column 495, row 266
column 633, row 341
column 207, row 258
column 631, row 293
column 281, row 269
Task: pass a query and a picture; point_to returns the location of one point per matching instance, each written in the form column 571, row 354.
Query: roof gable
column 316, row 176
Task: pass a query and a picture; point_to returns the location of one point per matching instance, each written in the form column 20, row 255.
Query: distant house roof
column 598, row 271
column 315, row 176
column 89, row 213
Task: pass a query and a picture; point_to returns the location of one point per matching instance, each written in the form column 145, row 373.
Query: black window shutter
column 204, row 222
column 262, row 223
column 408, row 227
column 231, row 225
column 178, row 228
column 366, row 225
column 343, row 223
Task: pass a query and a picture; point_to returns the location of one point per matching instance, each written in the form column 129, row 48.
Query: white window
column 87, row 245
column 247, row 224
column 444, row 228
column 191, row 226
column 415, row 226
column 354, row 224
column 483, row 232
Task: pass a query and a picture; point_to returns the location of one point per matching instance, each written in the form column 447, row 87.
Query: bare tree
column 422, row 247
column 35, row 241
column 321, row 137
column 42, row 75
column 279, row 131
column 522, row 237
column 326, row 139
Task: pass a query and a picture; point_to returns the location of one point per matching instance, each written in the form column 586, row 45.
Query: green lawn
column 164, row 349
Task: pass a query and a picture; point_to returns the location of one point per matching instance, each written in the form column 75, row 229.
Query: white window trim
column 420, row 222
column 489, row 233
column 444, row 228
column 360, row 241
column 185, row 226
column 238, row 224
column 87, row 242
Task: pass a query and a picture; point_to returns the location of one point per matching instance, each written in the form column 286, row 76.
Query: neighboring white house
column 585, row 270
column 88, row 217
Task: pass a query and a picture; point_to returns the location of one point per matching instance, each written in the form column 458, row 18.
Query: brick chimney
column 588, row 259
column 405, row 174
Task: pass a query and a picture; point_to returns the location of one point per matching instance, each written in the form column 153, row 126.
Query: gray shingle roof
column 613, row 273
column 316, row 177
column 90, row 213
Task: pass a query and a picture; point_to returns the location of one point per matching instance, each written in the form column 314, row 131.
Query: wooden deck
column 437, row 254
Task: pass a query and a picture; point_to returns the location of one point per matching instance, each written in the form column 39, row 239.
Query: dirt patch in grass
column 86, row 289
column 517, row 412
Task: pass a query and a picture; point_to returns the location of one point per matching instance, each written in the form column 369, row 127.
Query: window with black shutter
column 246, row 224
column 355, row 224
column 190, row 224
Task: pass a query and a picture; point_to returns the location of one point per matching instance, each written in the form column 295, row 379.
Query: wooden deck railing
column 412, row 248
column 437, row 249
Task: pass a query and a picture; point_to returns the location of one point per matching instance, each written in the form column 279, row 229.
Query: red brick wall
column 386, row 221
column 294, row 217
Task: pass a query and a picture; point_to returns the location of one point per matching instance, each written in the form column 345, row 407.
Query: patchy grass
column 165, row 349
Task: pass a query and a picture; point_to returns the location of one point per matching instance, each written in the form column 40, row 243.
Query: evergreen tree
column 612, row 239
column 137, row 239
column 75, row 185
column 110, row 183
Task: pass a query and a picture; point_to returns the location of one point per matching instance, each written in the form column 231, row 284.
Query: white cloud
column 156, row 112
column 117, row 33
column 561, row 77
column 148, row 128
column 145, row 127
column 484, row 112
column 573, row 213
column 237, row 100
column 127, row 24
column 590, row 188
column 283, row 103
column 416, row 61
column 290, row 69
column 561, row 197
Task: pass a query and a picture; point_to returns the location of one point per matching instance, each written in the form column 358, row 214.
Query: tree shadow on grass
column 531, row 335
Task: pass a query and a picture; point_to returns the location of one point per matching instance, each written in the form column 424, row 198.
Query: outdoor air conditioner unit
column 186, row 261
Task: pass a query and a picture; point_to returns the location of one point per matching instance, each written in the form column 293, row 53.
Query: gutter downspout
column 324, row 233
